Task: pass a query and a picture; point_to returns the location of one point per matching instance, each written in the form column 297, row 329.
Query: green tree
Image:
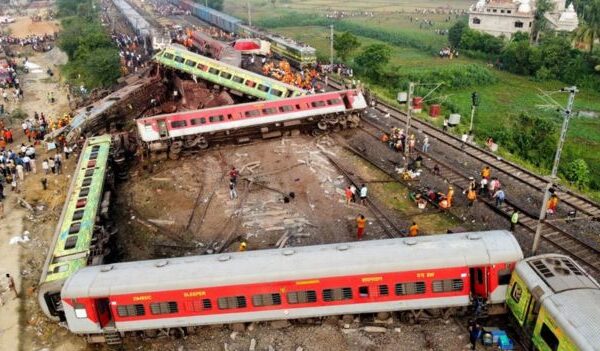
column 578, row 173
column 215, row 4
column 589, row 26
column 372, row 59
column 540, row 23
column 455, row 33
column 535, row 140
column 344, row 44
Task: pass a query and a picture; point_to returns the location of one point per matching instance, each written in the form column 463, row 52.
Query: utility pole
column 331, row 44
column 411, row 90
column 474, row 104
column 249, row 14
column 563, row 135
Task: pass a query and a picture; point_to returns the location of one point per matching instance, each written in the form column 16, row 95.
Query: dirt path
column 11, row 225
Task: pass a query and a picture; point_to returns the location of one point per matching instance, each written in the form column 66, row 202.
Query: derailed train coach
column 444, row 272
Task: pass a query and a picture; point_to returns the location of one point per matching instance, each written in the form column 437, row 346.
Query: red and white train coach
column 407, row 274
column 195, row 128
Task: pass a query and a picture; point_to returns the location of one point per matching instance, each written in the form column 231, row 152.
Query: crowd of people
column 448, row 52
column 37, row 42
column 306, row 79
column 131, row 51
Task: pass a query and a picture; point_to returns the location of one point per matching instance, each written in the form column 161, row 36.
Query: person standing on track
column 450, row 196
column 348, row 194
column 361, row 223
column 499, row 196
column 486, row 172
column 471, row 196
column 363, row 195
column 514, row 219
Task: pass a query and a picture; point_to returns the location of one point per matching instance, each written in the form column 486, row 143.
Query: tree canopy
column 373, row 58
column 344, row 44
column 215, row 4
column 455, row 33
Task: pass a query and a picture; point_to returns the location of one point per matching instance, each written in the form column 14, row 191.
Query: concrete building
column 506, row 17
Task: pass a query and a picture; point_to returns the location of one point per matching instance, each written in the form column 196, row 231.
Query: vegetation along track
column 566, row 242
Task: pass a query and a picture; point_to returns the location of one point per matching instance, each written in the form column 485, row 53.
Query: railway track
column 563, row 241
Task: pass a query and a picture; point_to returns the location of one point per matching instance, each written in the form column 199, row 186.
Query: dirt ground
column 24, row 26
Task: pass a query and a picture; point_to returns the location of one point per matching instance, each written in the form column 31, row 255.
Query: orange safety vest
column 360, row 222
column 414, row 230
column 444, row 204
column 471, row 195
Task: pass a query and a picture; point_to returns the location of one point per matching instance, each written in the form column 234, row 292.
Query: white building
column 506, row 17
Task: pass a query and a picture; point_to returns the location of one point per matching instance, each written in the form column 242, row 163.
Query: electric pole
column 411, row 90
column 563, row 135
column 331, row 44
column 249, row 14
column 474, row 104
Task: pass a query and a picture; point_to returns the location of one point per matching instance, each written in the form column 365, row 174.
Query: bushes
column 479, row 41
column 455, row 76
column 93, row 57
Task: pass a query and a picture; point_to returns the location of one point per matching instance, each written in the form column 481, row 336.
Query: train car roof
column 549, row 274
column 366, row 257
column 577, row 312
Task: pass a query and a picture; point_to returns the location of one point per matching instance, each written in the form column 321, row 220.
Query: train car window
column 164, row 307
column 262, row 88
column 78, row 215
column 252, row 113
column 447, row 285
column 84, row 191
column 297, row 107
column 266, row 299
column 95, row 148
column 384, row 290
column 80, row 311
column 71, row 242
column 334, row 102
column 91, row 164
column 87, row 181
column 198, row 305
column 318, row 103
column 307, row 296
column 276, row 92
column 516, row 292
column 504, row 276
column 286, row 108
column 74, row 228
column 363, row 291
column 214, row 71
column 337, row 294
column 93, row 155
column 411, row 288
column 226, row 303
column 218, row 118
column 131, row 310
column 479, row 276
column 197, row 121
column 81, row 203
column 549, row 338
column 190, row 63
column 250, row 83
column 229, row 116
column 269, row 111
column 178, row 124
column 89, row 173
column 201, row 67
column 179, row 59
column 237, row 79
column 61, row 268
column 168, row 56
column 226, row 75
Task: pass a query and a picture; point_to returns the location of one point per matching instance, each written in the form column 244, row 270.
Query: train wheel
column 332, row 119
column 405, row 317
column 317, row 132
column 203, row 144
column 322, row 125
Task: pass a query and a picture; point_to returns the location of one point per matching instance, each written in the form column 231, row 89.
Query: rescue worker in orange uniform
column 450, row 195
column 243, row 246
column 552, row 204
column 471, row 196
column 413, row 230
column 486, row 172
column 361, row 223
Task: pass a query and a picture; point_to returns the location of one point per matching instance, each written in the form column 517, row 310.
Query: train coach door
column 478, row 281
column 103, row 311
column 162, row 128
